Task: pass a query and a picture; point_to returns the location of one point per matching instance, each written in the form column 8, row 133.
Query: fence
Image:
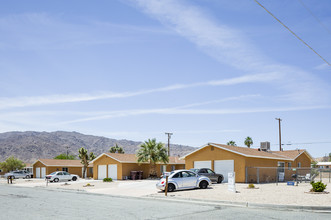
column 284, row 174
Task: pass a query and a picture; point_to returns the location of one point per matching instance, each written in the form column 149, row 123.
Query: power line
column 292, row 32
column 318, row 20
column 318, row 142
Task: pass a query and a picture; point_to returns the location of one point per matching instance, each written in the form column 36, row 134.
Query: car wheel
column 171, row 187
column 220, row 179
column 27, row 177
column 56, row 180
column 74, row 178
column 203, row 185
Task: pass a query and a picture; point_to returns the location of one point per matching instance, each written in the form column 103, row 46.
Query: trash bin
column 133, row 175
column 140, row 175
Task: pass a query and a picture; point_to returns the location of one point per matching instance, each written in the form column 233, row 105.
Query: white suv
column 61, row 176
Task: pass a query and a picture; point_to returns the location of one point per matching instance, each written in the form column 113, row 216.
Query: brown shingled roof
column 251, row 152
column 292, row 154
column 131, row 158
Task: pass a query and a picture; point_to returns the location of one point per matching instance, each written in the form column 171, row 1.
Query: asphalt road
column 39, row 203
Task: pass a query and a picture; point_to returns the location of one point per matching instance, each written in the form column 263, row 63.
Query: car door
column 203, row 172
column 66, row 176
column 177, row 178
column 189, row 179
column 59, row 175
column 212, row 175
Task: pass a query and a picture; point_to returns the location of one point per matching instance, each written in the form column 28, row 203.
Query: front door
column 281, row 171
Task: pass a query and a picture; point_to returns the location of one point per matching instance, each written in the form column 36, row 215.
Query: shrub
column 251, row 186
column 318, row 186
column 107, row 179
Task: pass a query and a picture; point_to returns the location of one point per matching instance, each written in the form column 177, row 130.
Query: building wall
column 214, row 153
column 105, row 160
column 38, row 164
column 304, row 159
column 124, row 169
column 51, row 169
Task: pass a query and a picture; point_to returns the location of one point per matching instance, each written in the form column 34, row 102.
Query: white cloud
column 231, row 47
column 6, row 102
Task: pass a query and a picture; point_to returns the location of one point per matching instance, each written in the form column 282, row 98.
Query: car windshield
column 53, row 173
column 194, row 170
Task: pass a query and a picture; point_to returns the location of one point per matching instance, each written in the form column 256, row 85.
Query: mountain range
column 28, row 146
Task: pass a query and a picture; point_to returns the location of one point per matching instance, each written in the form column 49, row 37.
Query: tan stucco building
column 249, row 165
column 43, row 167
column 119, row 166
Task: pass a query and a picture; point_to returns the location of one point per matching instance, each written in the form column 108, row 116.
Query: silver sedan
column 183, row 179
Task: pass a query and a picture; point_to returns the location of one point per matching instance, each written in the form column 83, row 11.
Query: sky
column 205, row 70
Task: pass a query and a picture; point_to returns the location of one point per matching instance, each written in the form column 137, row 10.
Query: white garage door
column 202, row 164
column 37, row 172
column 102, row 172
column 43, row 172
column 224, row 167
column 112, row 171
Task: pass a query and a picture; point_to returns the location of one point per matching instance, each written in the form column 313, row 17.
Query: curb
column 326, row 209
column 249, row 205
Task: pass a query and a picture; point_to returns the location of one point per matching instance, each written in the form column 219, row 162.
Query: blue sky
column 208, row 71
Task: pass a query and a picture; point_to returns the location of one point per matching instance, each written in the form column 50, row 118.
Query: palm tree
column 85, row 158
column 117, row 149
column 152, row 152
column 231, row 143
column 248, row 142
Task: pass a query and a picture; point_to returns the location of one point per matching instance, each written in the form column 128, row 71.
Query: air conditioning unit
column 265, row 146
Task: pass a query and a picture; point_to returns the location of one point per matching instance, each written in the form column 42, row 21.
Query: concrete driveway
column 136, row 188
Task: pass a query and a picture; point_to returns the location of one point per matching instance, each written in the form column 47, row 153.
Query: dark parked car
column 214, row 177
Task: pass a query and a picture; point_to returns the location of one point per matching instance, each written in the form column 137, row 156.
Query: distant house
column 324, row 165
column 119, row 166
column 28, row 167
column 43, row 167
column 249, row 165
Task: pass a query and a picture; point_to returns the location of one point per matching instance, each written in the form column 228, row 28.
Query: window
column 65, row 169
column 210, row 171
column 289, row 165
column 0, row 170
column 177, row 175
column 203, row 171
column 173, row 167
column 59, row 174
column 90, row 170
column 299, row 164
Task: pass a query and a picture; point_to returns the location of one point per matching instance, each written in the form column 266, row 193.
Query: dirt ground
column 280, row 194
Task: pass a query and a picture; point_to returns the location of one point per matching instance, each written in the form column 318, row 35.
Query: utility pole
column 280, row 136
column 169, row 136
column 67, row 151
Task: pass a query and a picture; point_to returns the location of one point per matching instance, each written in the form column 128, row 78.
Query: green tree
column 152, row 152
column 231, row 143
column 248, row 142
column 117, row 149
column 12, row 163
column 64, row 157
column 85, row 158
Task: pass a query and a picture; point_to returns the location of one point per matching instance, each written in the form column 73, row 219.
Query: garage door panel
column 112, row 171
column 102, row 172
column 202, row 164
column 37, row 172
column 43, row 172
column 224, row 167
